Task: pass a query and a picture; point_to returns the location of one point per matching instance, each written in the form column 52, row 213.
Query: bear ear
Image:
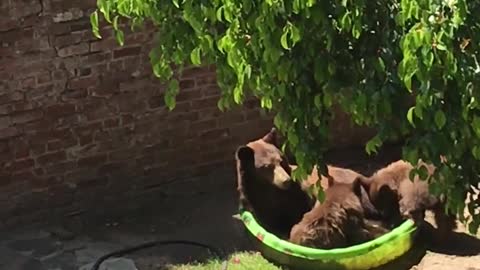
column 331, row 181
column 357, row 186
column 363, row 181
column 386, row 191
column 271, row 137
column 244, row 153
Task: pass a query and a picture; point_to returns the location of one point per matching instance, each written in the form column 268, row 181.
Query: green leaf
column 119, row 36
column 320, row 194
column 474, row 225
column 237, row 95
column 441, row 47
column 175, row 3
column 317, row 100
column 411, row 155
column 292, row 137
column 94, row 23
column 410, row 116
column 373, row 144
column 476, row 125
column 440, row 119
column 423, row 172
column 284, row 37
column 381, row 63
column 476, row 152
column 219, row 13
column 295, row 34
column 327, row 99
column 346, row 21
column 248, row 71
column 419, row 112
column 195, row 57
column 115, row 23
column 172, row 91
column 357, row 29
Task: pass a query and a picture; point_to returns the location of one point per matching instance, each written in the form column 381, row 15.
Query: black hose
column 127, row 250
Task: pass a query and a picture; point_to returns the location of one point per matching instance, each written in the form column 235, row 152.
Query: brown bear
column 266, row 188
column 337, row 222
column 397, row 197
column 342, row 175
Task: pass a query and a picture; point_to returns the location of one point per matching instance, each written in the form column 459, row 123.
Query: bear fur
column 342, row 175
column 337, row 222
column 266, row 188
column 397, row 197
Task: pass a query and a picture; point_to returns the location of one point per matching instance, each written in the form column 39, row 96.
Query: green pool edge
column 364, row 256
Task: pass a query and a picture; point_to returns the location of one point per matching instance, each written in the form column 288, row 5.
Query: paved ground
column 196, row 210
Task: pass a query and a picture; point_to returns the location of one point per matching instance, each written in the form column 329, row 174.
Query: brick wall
column 82, row 121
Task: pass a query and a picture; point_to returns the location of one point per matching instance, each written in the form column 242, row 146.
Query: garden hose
column 128, row 250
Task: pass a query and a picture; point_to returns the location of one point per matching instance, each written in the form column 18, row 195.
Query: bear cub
column 337, row 222
column 397, row 197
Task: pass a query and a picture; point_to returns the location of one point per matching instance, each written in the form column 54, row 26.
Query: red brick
column 82, row 82
column 128, row 51
column 208, row 80
column 54, row 145
column 127, row 119
column 22, row 107
column 69, row 39
column 187, row 84
column 204, row 125
column 60, row 110
column 92, row 161
column 201, row 104
column 51, row 158
column 156, row 102
column 26, row 116
column 214, row 134
column 80, row 25
column 211, row 91
column 95, row 58
column 71, row 50
column 109, row 168
column 11, row 97
column 23, row 177
column 231, row 118
column 9, row 132
column 21, row 165
column 103, row 44
column 29, row 83
column 44, row 78
column 50, row 135
column 59, row 75
column 5, row 179
column 83, row 71
column 69, row 94
column 5, row 122
column 111, row 123
column 60, row 168
column 89, row 128
column 85, row 139
column 120, row 155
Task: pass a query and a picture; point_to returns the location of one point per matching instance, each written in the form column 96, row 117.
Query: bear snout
column 281, row 178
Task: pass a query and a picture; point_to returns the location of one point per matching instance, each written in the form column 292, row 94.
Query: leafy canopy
column 406, row 67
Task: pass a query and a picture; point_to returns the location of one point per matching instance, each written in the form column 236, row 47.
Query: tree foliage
column 406, row 67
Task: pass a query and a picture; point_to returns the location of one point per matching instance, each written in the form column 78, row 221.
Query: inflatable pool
column 359, row 257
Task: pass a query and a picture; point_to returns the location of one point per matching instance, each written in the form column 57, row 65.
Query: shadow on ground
column 198, row 209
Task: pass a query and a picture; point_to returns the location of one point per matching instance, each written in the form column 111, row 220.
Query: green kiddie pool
column 364, row 256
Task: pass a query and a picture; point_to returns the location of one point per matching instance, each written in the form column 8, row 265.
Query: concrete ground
column 198, row 209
